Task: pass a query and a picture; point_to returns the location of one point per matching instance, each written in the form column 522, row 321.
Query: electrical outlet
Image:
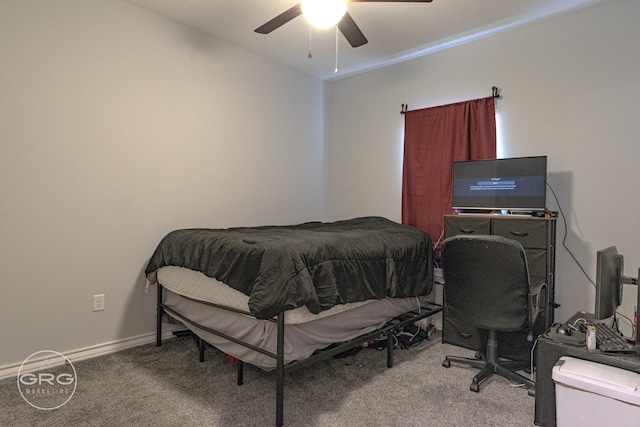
column 98, row 302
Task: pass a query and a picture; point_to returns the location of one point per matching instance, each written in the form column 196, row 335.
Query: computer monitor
column 610, row 267
column 610, row 280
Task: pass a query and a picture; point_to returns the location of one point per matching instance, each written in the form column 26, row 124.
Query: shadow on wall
column 140, row 311
column 572, row 288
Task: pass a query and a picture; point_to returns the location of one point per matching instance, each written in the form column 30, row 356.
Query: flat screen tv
column 514, row 184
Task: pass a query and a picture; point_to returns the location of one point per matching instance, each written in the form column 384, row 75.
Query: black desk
column 548, row 351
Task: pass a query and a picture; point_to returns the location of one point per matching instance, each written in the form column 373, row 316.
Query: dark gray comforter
column 314, row 264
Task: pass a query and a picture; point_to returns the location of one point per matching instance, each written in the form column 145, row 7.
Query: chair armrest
column 537, row 297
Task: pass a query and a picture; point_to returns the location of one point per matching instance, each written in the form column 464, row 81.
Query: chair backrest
column 486, row 282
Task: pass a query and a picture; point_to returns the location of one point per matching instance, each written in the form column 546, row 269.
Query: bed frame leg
column 240, row 372
column 159, row 313
column 389, row 349
column 201, row 348
column 280, row 372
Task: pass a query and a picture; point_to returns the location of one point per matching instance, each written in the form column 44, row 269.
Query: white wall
column 116, row 127
column 570, row 91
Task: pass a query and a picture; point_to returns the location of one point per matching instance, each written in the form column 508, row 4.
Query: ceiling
column 396, row 31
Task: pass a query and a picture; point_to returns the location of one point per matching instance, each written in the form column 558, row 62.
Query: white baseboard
column 12, row 370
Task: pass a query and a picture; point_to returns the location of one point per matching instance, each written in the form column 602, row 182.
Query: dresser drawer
column 460, row 334
column 512, row 345
column 537, row 262
column 454, row 225
column 530, row 233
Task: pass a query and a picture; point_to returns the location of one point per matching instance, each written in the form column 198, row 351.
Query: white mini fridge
column 592, row 394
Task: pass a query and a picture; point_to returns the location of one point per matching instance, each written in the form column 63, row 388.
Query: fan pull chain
column 336, row 70
column 309, row 54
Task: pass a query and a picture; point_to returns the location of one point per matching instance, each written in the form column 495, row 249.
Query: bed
column 282, row 297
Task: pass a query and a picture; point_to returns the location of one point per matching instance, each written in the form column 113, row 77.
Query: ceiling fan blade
column 351, row 32
column 280, row 20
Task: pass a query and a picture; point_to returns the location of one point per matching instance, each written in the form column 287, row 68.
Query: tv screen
column 518, row 184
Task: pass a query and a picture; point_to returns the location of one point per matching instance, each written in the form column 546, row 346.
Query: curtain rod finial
column 403, row 108
column 495, row 91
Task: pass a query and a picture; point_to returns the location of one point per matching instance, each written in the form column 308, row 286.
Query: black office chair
column 487, row 286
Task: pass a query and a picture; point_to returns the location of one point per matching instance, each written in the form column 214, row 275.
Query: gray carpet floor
column 167, row 386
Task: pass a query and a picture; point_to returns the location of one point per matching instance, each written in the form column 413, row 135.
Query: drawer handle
column 520, row 233
column 466, row 230
column 465, row 336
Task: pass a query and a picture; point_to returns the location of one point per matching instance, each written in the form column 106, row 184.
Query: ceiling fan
column 346, row 24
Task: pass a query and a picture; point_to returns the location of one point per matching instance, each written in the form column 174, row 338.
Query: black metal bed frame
column 388, row 330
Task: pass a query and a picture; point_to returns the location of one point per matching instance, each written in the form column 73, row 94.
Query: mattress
column 194, row 284
column 300, row 340
column 317, row 265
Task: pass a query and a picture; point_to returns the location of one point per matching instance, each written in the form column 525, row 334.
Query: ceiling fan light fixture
column 324, row 13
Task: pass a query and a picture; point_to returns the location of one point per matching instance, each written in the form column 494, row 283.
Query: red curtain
column 433, row 139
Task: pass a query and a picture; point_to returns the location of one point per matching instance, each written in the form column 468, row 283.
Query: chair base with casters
column 492, row 365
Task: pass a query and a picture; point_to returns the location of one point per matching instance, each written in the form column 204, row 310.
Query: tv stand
column 538, row 237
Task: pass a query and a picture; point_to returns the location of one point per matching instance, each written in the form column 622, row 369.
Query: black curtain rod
column 495, row 92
